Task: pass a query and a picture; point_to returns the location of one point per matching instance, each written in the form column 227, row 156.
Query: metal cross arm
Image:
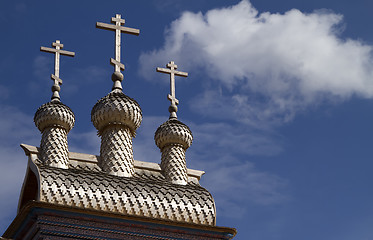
column 62, row 52
column 128, row 30
column 172, row 70
column 56, row 79
column 169, row 71
column 116, row 63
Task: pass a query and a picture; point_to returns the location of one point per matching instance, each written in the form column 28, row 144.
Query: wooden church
column 69, row 195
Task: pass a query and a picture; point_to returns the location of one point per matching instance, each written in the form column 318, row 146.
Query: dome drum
column 54, row 114
column 116, row 109
column 54, row 120
column 116, row 118
column 173, row 132
column 173, row 138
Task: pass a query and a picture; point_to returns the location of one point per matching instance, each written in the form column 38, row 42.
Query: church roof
column 147, row 193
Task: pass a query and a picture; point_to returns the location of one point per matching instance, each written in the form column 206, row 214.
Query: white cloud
column 266, row 66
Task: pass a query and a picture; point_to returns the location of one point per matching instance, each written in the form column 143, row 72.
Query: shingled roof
column 146, row 194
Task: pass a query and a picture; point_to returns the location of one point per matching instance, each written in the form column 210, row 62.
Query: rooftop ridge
column 91, row 158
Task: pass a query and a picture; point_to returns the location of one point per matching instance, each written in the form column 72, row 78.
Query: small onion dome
column 116, row 109
column 54, row 114
column 173, row 132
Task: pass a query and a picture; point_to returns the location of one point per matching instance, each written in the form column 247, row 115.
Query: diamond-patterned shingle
column 127, row 195
column 148, row 193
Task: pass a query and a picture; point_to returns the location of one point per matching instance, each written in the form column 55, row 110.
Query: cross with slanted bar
column 118, row 28
column 172, row 71
column 56, row 76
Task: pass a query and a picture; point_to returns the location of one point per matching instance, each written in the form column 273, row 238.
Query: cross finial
column 56, row 76
column 172, row 96
column 118, row 28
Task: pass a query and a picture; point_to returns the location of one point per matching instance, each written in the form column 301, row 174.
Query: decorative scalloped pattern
column 53, row 147
column 173, row 132
column 54, row 114
column 84, row 166
column 116, row 153
column 133, row 196
column 173, row 164
column 116, row 109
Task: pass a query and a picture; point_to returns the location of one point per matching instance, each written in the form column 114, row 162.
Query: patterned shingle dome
column 54, row 114
column 173, row 132
column 116, row 108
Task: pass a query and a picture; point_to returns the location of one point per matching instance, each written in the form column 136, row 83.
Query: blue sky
column 278, row 97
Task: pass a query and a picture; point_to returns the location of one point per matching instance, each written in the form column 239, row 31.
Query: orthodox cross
column 171, row 69
column 56, row 76
column 118, row 28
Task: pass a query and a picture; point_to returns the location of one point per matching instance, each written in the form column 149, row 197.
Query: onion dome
column 54, row 114
column 116, row 108
column 173, row 132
